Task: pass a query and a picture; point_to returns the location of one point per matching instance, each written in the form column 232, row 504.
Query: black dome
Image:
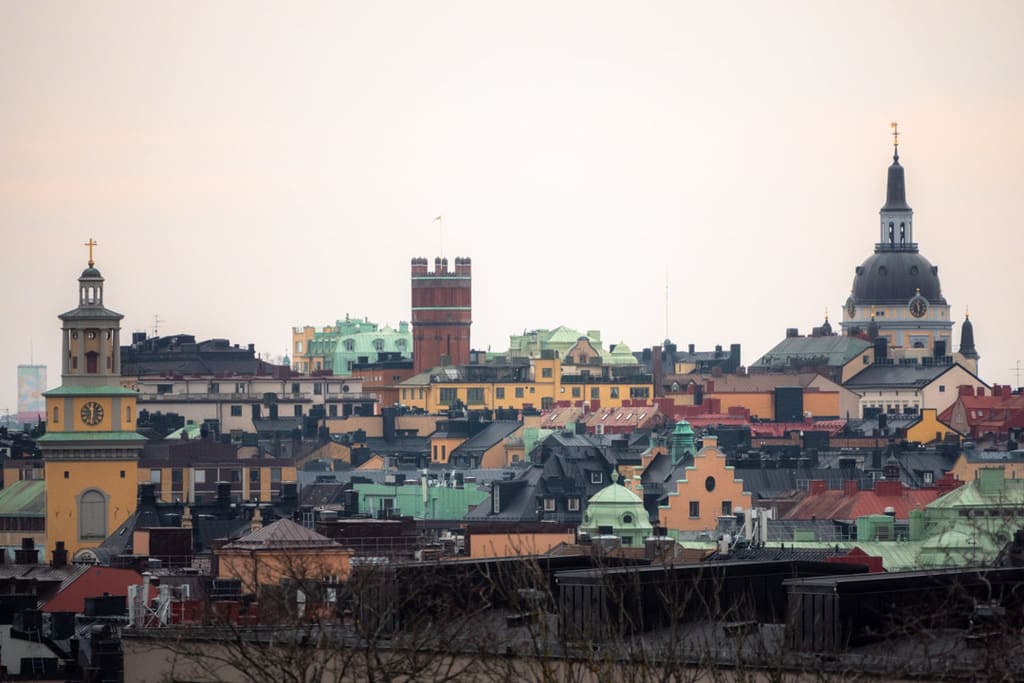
column 90, row 273
column 893, row 277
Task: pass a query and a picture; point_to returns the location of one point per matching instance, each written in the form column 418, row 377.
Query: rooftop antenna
column 440, row 233
column 1017, row 371
column 156, row 324
column 666, row 302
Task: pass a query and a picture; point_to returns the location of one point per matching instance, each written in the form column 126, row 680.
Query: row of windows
column 201, row 476
column 695, row 507
column 571, row 504
column 475, row 395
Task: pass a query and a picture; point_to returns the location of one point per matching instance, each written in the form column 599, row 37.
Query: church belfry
column 897, row 218
column 90, row 448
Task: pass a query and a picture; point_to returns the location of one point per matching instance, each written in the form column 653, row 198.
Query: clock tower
column 90, row 447
column 896, row 292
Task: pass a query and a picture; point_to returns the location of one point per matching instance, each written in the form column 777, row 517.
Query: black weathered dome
column 90, row 273
column 894, row 277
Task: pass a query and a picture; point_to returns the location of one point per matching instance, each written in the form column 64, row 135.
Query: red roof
column 91, row 583
column 843, row 505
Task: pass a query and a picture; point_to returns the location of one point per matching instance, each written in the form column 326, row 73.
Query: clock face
column 918, row 307
column 851, row 307
column 92, row 413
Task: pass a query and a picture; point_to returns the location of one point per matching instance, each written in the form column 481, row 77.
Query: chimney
column 850, row 487
column 60, row 556
column 27, row 553
column 816, row 486
column 223, row 493
column 691, row 348
column 147, row 493
column 792, row 332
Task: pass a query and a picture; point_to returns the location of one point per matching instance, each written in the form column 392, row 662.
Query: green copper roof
column 24, row 499
column 828, row 351
column 77, row 390
column 614, row 494
column 621, row 355
column 442, row 502
column 93, row 437
column 193, row 431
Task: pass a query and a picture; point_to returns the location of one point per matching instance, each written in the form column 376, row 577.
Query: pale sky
column 247, row 167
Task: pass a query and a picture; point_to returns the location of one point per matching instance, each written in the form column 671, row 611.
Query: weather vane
column 895, row 136
column 91, row 243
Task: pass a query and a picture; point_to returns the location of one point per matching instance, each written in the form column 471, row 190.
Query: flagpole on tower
column 440, row 233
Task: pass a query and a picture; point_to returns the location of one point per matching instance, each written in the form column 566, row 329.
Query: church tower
column 90, row 447
column 896, row 291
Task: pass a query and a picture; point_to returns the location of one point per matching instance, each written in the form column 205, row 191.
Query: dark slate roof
column 893, row 277
column 911, row 376
column 773, row 552
column 491, row 435
column 91, row 313
column 315, row 495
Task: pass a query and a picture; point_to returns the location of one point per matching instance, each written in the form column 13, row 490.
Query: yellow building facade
column 91, row 448
column 545, row 387
column 709, row 491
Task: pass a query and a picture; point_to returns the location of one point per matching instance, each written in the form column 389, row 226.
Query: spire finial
column 967, row 312
column 91, row 243
column 826, row 313
column 895, row 140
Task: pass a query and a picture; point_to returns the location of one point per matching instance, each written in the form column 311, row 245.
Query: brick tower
column 442, row 313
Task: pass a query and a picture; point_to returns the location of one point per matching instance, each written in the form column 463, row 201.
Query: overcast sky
column 247, row 167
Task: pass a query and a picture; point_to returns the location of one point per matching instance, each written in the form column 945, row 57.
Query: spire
column 967, row 349
column 896, row 187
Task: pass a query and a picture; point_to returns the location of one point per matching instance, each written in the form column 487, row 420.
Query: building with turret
column 91, row 447
column 896, row 294
column 442, row 312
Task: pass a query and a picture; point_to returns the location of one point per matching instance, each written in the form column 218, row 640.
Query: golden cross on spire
column 91, row 243
column 895, row 134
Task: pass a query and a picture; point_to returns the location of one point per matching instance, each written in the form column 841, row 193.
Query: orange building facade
column 709, row 491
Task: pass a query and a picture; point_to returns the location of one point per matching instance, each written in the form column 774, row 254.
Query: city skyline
column 284, row 171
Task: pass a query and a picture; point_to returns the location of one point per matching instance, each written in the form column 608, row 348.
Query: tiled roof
column 839, row 505
column 835, row 351
column 898, row 375
column 283, row 533
column 93, row 582
column 745, row 383
column 23, row 499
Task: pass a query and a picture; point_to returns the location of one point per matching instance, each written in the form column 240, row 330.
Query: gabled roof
column 839, row 505
column 746, row 383
column 93, row 582
column 491, row 435
column 830, row 351
column 282, row 534
column 899, row 376
column 26, row 498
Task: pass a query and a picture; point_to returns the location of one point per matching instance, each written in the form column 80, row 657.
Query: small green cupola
column 683, row 442
column 619, row 509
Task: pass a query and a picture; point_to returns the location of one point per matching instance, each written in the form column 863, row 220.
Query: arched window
column 349, row 344
column 56, row 414
column 92, row 362
column 128, row 414
column 92, row 515
column 378, row 344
